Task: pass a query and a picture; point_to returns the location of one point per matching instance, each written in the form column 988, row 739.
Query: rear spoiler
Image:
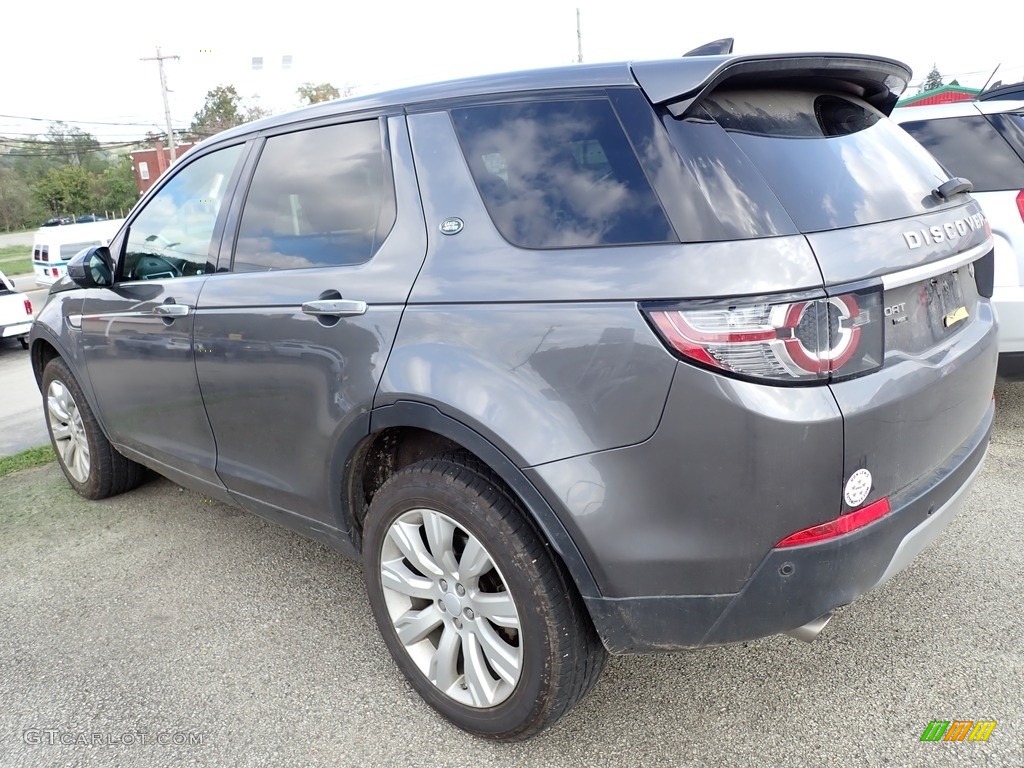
column 680, row 84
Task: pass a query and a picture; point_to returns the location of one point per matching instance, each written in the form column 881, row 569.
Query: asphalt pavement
column 160, row 616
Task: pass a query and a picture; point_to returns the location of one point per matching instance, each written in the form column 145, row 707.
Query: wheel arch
column 407, row 431
column 41, row 352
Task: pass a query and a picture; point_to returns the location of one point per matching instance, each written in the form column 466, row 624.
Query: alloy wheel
column 69, row 437
column 451, row 608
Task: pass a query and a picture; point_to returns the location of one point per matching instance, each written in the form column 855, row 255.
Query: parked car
column 983, row 141
column 1012, row 91
column 52, row 249
column 56, row 221
column 15, row 312
column 628, row 358
column 89, row 218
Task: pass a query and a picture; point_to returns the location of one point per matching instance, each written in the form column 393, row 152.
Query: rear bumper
column 17, row 329
column 793, row 586
column 1009, row 306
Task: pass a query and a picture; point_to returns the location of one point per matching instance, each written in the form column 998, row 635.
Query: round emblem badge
column 857, row 487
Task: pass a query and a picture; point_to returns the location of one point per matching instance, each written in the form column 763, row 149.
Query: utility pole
column 579, row 39
column 159, row 59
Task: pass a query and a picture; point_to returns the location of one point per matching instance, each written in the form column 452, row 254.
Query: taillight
column 838, row 527
column 784, row 339
column 1020, row 203
column 28, row 307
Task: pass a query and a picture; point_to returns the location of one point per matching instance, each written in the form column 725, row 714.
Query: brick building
column 148, row 164
column 944, row 95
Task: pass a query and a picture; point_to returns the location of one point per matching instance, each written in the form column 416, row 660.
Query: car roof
column 661, row 80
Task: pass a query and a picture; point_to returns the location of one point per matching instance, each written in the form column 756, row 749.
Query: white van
column 55, row 246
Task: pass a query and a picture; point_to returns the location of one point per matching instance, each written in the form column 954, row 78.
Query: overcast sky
column 80, row 62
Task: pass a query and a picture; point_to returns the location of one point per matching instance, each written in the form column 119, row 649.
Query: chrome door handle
column 172, row 310
column 336, row 307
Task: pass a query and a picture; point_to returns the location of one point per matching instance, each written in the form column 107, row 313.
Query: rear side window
column 68, row 250
column 319, row 198
column 831, row 160
column 971, row 147
column 560, row 174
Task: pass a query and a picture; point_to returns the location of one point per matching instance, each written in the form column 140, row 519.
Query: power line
column 68, row 121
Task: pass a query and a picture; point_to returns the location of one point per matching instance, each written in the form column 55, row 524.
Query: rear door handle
column 335, row 307
column 172, row 310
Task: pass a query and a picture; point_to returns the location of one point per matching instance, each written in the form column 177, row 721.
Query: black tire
column 108, row 472
column 560, row 655
column 24, row 341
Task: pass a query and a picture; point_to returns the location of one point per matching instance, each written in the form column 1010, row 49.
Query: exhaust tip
column 809, row 632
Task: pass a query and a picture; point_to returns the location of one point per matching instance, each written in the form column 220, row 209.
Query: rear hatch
column 906, row 266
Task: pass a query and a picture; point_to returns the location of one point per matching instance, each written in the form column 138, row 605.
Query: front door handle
column 172, row 310
column 335, row 307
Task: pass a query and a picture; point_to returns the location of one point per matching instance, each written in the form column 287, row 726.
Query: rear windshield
column 971, row 147
column 831, row 160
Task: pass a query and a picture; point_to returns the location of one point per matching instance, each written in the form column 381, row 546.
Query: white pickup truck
column 15, row 312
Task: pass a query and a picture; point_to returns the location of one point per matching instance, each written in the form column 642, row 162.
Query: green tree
column 314, row 94
column 67, row 145
column 64, row 190
column 17, row 209
column 223, row 109
column 115, row 188
column 933, row 79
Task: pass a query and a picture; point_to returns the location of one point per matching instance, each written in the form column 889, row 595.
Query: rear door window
column 831, row 160
column 560, row 174
column 971, row 147
column 319, row 198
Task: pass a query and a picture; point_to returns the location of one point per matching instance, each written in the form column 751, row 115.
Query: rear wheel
column 478, row 614
column 90, row 463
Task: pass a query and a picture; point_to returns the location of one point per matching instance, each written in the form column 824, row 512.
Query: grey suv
column 617, row 358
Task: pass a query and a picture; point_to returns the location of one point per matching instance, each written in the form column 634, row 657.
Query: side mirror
column 92, row 268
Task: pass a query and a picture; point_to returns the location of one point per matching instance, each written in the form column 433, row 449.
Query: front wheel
column 478, row 614
column 90, row 463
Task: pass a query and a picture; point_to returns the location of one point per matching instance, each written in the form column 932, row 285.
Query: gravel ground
column 161, row 616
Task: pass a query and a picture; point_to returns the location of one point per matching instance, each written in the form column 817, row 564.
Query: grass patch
column 33, row 457
column 16, row 260
column 21, row 266
column 10, row 251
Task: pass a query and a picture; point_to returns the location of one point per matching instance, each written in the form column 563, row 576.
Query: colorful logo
column 958, row 730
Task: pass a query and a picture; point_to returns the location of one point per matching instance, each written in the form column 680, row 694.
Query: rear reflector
column 1020, row 203
column 839, row 526
column 28, row 307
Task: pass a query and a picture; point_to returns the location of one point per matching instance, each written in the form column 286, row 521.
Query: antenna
column 990, row 77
